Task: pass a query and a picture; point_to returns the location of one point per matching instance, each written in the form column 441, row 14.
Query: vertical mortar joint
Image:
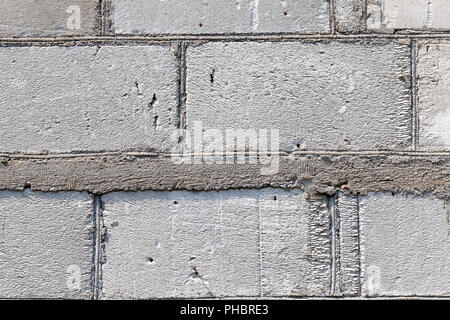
column 414, row 115
column 358, row 200
column 97, row 242
column 181, row 71
column 332, row 12
column 333, row 228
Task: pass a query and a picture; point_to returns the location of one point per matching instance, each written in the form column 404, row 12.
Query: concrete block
column 321, row 96
column 405, row 246
column 432, row 103
column 218, row 16
column 45, row 18
column 295, row 245
column 408, row 14
column 180, row 244
column 46, row 245
column 349, row 16
column 210, row 244
column 87, row 98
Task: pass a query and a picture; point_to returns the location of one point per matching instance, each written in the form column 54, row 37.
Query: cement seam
column 359, row 293
column 415, row 116
column 261, row 294
column 182, row 72
column 103, row 18
column 225, row 37
column 364, row 12
column 332, row 9
column 332, row 202
column 256, row 298
column 97, row 245
column 282, row 154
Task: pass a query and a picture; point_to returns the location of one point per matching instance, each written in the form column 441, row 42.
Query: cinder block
column 46, row 245
column 62, row 99
column 295, row 245
column 349, row 16
column 180, row 244
column 321, row 96
column 44, row 18
column 408, row 14
column 218, row 16
column 184, row 244
column 433, row 82
column 405, row 246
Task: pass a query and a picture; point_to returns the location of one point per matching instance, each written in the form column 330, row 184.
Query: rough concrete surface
column 295, row 244
column 102, row 196
column 87, row 98
column 347, row 252
column 349, row 15
column 433, row 82
column 405, row 246
column 214, row 244
column 46, row 245
column 218, row 16
column 408, row 14
column 317, row 174
column 45, row 18
column 162, row 245
column 316, row 94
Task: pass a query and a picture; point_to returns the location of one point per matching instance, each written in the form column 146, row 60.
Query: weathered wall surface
column 263, row 148
column 389, row 15
column 217, row 16
column 231, row 243
column 405, row 245
column 46, row 245
column 87, row 98
column 47, row 18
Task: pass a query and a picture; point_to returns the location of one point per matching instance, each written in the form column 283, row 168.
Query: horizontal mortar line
column 277, row 297
column 312, row 152
column 299, row 297
column 227, row 37
column 226, row 154
column 62, row 155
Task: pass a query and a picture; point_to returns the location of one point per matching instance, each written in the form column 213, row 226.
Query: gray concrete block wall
column 218, row 16
column 350, row 15
column 432, row 102
column 98, row 98
column 202, row 245
column 389, row 15
column 405, row 246
column 277, row 83
column 46, row 245
column 47, row 18
column 88, row 98
column 295, row 245
column 214, row 244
